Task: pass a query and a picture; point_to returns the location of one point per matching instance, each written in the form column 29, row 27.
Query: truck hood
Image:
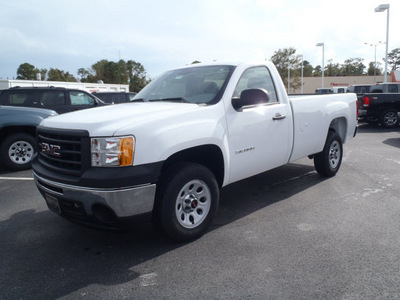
column 107, row 120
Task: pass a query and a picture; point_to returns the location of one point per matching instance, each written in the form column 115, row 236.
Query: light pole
column 382, row 8
column 301, row 72
column 369, row 44
column 323, row 67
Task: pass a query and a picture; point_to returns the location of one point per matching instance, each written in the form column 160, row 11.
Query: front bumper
column 105, row 205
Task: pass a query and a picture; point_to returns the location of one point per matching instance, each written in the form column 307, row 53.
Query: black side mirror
column 250, row 97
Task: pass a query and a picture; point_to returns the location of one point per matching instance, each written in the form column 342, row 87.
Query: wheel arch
column 339, row 125
column 6, row 131
column 209, row 156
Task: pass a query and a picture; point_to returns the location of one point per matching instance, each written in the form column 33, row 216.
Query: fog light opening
column 103, row 214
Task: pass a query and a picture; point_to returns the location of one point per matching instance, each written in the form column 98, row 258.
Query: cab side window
column 19, row 98
column 52, row 98
column 80, row 98
column 257, row 78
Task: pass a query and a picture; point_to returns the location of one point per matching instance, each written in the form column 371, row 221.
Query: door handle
column 278, row 117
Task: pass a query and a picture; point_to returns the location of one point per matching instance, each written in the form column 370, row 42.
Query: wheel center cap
column 190, row 203
column 20, row 151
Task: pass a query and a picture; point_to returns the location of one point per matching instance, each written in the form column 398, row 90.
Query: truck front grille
column 64, row 151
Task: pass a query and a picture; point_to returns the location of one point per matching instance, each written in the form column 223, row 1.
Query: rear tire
column 389, row 118
column 187, row 200
column 327, row 162
column 17, row 150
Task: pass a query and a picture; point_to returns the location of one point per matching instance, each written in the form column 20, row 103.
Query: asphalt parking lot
column 284, row 234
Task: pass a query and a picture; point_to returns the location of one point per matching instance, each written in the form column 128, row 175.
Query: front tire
column 187, row 200
column 17, row 151
column 327, row 162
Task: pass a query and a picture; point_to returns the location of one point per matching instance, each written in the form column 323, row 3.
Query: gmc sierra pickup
column 198, row 129
column 383, row 108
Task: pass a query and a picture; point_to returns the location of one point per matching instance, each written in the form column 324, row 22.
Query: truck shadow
column 51, row 258
column 375, row 128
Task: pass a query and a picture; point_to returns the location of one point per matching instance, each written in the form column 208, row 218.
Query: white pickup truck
column 192, row 131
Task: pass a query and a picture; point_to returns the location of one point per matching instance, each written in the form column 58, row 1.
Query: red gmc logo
column 51, row 149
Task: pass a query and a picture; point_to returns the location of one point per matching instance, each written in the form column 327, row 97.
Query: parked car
column 339, row 89
column 324, row 91
column 17, row 134
column 61, row 100
column 115, row 97
column 385, row 88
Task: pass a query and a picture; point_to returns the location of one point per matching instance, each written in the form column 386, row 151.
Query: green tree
column 371, row 68
column 284, row 59
column 317, row 71
column 332, row 69
column 86, row 75
column 353, row 67
column 394, row 59
column 27, row 71
column 121, row 72
column 196, row 62
column 59, row 75
column 307, row 69
column 137, row 76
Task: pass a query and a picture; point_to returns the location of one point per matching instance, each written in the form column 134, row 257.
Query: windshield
column 202, row 85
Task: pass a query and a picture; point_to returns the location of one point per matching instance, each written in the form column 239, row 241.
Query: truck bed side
column 315, row 115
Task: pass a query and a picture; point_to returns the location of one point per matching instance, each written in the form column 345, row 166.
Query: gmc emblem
column 50, row 149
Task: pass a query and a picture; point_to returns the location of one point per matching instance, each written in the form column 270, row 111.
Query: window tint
column 392, row 88
column 19, row 98
column 257, row 78
column 80, row 98
column 53, row 98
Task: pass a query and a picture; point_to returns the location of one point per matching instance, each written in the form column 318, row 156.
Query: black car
column 61, row 100
column 115, row 97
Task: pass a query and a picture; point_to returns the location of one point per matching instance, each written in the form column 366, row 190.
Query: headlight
column 112, row 151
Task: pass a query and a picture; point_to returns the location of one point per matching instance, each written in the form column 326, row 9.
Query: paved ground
column 285, row 234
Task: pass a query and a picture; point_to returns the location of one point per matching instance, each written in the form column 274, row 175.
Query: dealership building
column 310, row 84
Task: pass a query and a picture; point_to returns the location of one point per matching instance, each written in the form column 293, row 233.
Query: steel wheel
column 335, row 154
column 193, row 204
column 21, row 152
column 17, row 151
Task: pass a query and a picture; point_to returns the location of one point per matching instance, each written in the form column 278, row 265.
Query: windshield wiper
column 174, row 99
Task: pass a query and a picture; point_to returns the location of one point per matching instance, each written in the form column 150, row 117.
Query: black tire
column 187, row 200
column 17, row 151
column 327, row 162
column 389, row 118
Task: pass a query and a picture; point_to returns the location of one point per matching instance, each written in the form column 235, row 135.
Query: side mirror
column 250, row 97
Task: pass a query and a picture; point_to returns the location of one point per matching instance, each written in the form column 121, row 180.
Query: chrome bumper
column 124, row 202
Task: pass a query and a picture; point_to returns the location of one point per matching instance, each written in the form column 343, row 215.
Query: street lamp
column 323, row 67
column 301, row 72
column 382, row 8
column 369, row 44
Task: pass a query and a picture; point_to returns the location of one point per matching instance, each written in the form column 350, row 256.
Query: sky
column 166, row 34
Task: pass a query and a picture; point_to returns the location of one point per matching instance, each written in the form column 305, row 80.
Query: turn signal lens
column 125, row 156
